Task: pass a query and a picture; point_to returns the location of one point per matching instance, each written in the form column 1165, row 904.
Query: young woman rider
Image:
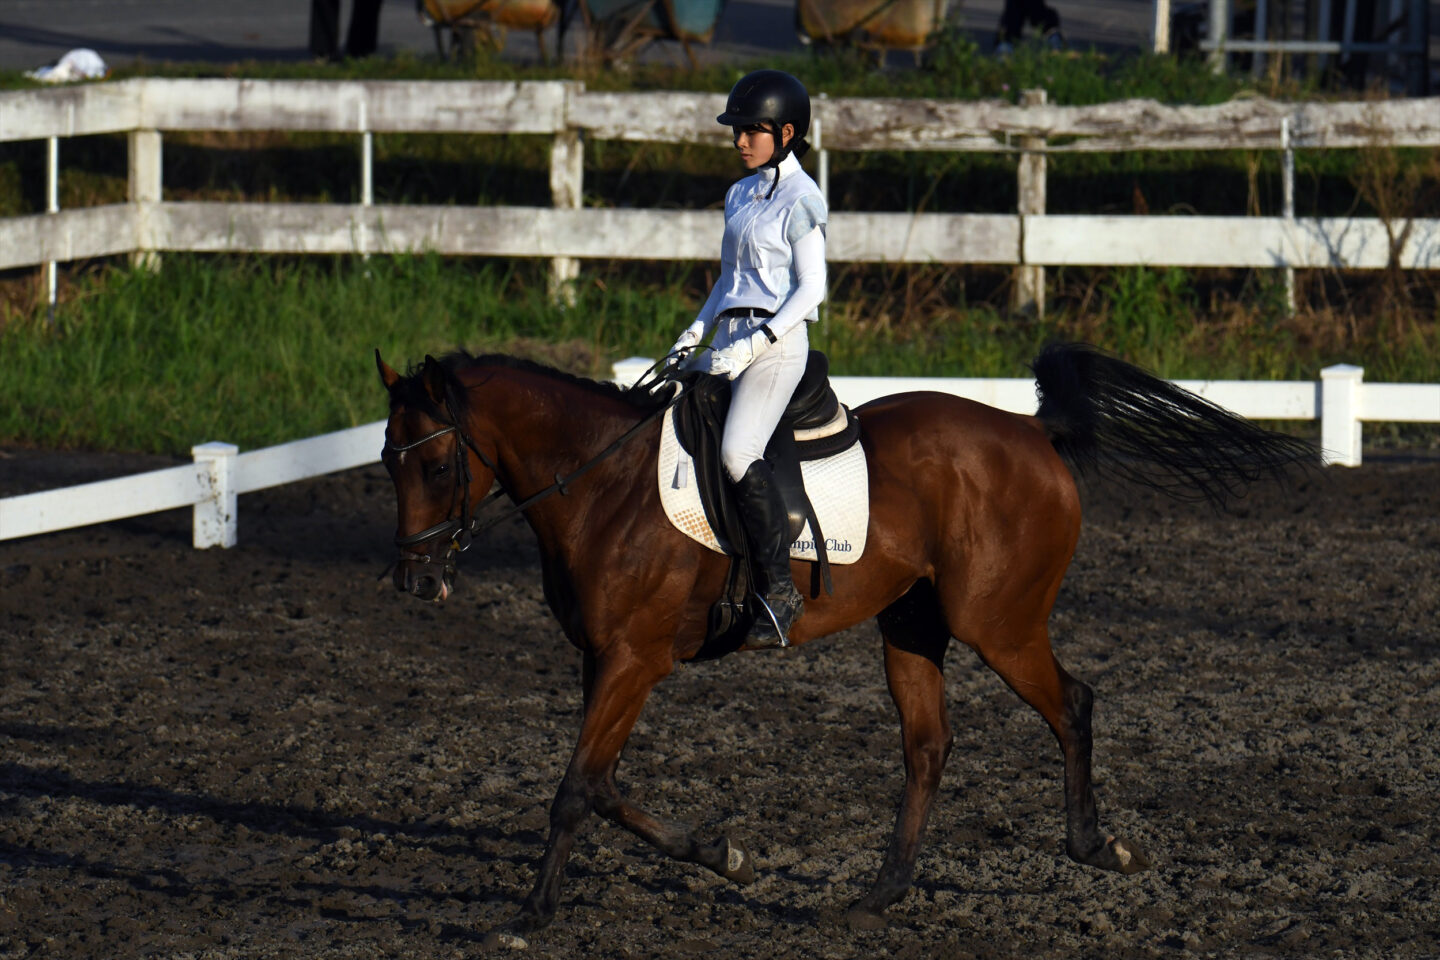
column 772, row 279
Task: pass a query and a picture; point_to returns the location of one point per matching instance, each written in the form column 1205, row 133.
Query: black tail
column 1114, row 419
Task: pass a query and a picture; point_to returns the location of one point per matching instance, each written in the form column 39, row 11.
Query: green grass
column 257, row 351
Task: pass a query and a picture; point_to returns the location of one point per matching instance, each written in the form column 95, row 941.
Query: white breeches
column 759, row 395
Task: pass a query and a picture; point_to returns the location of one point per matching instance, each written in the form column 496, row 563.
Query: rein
column 462, row 530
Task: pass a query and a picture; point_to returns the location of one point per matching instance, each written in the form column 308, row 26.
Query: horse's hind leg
column 915, row 642
column 1032, row 671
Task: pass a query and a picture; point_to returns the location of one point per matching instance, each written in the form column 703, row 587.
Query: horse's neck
column 545, row 429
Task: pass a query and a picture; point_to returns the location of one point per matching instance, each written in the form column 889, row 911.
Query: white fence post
column 567, row 192
column 1287, row 193
column 367, row 181
column 215, row 517
column 822, row 156
column 1160, row 31
column 1340, row 414
column 52, row 206
column 628, row 372
column 1219, row 33
column 146, row 188
column 1029, row 290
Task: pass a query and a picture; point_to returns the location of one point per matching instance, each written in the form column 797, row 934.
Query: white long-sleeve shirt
column 772, row 256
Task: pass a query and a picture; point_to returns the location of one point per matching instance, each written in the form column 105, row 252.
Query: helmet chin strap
column 777, row 157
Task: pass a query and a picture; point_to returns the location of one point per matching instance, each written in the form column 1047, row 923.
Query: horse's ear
column 387, row 375
column 433, row 377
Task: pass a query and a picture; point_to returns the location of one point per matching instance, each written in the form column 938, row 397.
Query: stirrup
column 779, row 638
column 759, row 638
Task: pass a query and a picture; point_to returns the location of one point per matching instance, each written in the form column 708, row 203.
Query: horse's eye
column 440, row 471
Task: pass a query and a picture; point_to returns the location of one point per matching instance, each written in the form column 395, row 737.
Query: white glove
column 689, row 339
column 736, row 356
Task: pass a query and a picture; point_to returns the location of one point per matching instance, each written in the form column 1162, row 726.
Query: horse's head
column 438, row 474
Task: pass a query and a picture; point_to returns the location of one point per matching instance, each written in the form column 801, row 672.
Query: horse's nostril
column 426, row 588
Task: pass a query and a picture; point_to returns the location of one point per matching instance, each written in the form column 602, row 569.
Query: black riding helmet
column 771, row 98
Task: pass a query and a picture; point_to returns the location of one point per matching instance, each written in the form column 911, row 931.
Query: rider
column 772, row 279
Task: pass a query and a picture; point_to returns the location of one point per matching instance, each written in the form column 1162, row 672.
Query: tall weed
column 1150, row 317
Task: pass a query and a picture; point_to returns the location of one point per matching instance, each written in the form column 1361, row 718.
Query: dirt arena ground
column 262, row 752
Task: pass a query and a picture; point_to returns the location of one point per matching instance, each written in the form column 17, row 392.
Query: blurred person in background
column 1017, row 14
column 325, row 29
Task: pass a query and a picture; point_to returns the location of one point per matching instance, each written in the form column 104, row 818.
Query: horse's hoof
column 739, row 865
column 497, row 940
column 1120, row 856
column 862, row 917
column 529, row 921
column 1132, row 858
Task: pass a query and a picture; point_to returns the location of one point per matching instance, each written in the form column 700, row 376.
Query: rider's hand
column 689, row 339
column 735, row 357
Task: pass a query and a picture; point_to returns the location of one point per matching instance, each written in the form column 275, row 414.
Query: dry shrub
column 1400, row 186
column 573, row 356
column 896, row 299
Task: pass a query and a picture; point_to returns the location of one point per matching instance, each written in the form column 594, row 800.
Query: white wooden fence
column 220, row 473
column 566, row 111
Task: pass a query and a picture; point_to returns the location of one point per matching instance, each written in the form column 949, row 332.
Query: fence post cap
column 213, row 450
column 1342, row 371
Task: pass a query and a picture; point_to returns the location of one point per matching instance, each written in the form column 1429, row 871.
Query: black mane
column 411, row 389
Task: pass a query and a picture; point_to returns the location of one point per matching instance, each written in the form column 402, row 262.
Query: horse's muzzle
column 429, row 583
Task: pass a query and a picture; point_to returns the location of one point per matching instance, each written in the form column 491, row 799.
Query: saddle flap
column 699, row 420
column 697, row 477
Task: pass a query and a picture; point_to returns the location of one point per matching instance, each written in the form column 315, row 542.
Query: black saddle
column 700, row 424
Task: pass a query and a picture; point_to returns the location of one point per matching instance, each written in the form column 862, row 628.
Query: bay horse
column 974, row 517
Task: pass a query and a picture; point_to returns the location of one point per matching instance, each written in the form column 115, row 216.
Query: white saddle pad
column 839, row 489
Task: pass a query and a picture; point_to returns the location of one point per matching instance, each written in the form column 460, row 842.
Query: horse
column 974, row 518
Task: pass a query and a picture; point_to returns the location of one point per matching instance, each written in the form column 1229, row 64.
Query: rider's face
column 756, row 143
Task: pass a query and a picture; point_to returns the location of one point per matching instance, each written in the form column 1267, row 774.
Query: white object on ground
column 79, row 64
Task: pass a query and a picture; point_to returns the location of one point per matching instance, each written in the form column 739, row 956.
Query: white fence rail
column 211, row 485
column 220, row 473
column 145, row 107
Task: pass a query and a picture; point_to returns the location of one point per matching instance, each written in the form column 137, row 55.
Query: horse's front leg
column 726, row 856
column 616, row 692
column 614, row 696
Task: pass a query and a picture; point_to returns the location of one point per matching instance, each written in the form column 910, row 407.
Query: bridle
column 460, row 531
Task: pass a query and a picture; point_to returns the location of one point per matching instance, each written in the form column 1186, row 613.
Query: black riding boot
column 768, row 527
